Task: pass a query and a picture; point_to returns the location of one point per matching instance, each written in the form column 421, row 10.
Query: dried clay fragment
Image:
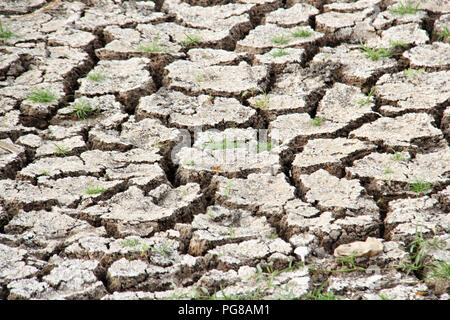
column 369, row 248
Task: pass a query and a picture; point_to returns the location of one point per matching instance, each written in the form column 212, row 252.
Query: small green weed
column 367, row 100
column 83, row 109
column 190, row 163
column 317, row 121
column 281, row 39
column 318, row 294
column 444, row 34
column 264, row 102
column 5, row 33
column 154, row 47
column 439, row 269
column 228, row 188
column 301, row 33
column 95, row 190
column 222, row 145
column 398, row 156
column 96, row 76
column 279, row 53
column 130, row 243
column 420, row 186
column 191, row 40
column 405, row 8
column 61, row 150
column 376, row 54
column 42, row 96
column 411, row 73
column 387, row 171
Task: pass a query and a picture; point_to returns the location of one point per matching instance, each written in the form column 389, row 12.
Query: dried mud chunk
column 96, row 18
column 144, row 41
column 232, row 153
column 107, row 140
column 12, row 7
column 265, row 37
column 74, row 280
column 357, row 69
column 11, row 65
column 192, row 37
column 387, row 19
column 368, row 248
column 46, row 232
column 232, row 17
column 177, row 109
column 345, row 104
column 127, row 79
column 220, row 226
column 145, row 176
column 343, row 197
column 352, row 284
column 212, row 57
column 406, row 217
column 345, row 6
column 215, row 80
column 12, row 158
column 53, row 168
column 102, row 112
column 72, row 38
column 133, row 213
column 297, row 15
column 150, row 134
column 18, row 195
column 217, row 279
column 70, row 146
column 13, row 265
column 71, row 190
column 130, row 295
column 409, row 33
column 408, row 132
column 297, row 129
column 248, row 253
column 434, row 6
column 331, row 21
column 281, row 60
column 432, row 57
column 272, row 105
column 329, row 154
column 424, row 92
column 393, row 174
column 260, row 193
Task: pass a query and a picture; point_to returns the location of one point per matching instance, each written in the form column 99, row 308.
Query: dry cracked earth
column 209, row 149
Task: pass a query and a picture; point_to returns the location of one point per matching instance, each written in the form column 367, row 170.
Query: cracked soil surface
column 208, row 149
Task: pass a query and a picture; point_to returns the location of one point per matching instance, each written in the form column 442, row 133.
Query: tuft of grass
column 281, row 39
column 375, row 54
column 200, row 78
column 420, row 186
column 398, row 156
column 222, row 145
column 190, row 163
column 45, row 173
column 387, row 171
column 191, row 40
column 279, row 53
column 83, row 109
column 411, row 73
column 398, row 44
column 43, row 96
column 264, row 146
column 439, row 269
column 301, row 33
column 264, row 102
column 228, row 188
column 405, row 8
column 61, row 150
column 154, row 47
column 130, row 243
column 5, row 33
column 97, row 76
column 367, row 100
column 317, row 121
column 445, row 33
column 318, row 294
column 417, row 252
column 95, row 190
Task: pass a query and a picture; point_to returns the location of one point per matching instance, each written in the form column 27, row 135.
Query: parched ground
column 209, row 149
